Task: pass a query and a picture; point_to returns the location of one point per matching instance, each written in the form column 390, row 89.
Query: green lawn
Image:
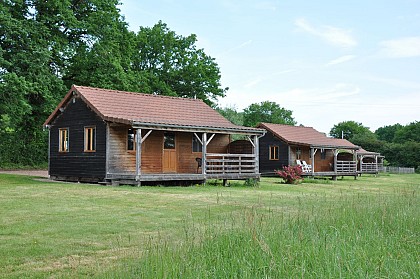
column 348, row 228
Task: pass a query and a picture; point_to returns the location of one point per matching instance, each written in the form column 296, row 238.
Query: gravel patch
column 38, row 173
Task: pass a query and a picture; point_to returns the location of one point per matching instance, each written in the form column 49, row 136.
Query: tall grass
column 361, row 236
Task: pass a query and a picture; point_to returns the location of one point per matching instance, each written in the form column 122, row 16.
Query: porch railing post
column 204, row 151
column 257, row 154
column 138, row 154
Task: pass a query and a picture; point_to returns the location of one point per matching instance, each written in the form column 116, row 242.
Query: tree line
column 46, row 46
column 400, row 144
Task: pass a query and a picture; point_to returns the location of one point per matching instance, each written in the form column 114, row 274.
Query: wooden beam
column 145, row 136
column 313, row 159
column 251, row 141
column 138, row 154
column 209, row 140
column 256, row 153
column 203, row 157
column 198, row 138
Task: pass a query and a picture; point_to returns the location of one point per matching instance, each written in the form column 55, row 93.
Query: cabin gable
column 270, row 162
column 77, row 163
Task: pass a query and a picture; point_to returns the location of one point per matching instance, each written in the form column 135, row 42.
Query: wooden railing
column 346, row 166
column 230, row 163
column 368, row 167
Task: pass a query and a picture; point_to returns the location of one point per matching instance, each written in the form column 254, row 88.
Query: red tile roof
column 139, row 108
column 305, row 136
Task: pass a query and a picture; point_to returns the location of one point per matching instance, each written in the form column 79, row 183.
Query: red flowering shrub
column 290, row 174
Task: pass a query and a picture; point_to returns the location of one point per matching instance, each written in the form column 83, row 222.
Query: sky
column 327, row 61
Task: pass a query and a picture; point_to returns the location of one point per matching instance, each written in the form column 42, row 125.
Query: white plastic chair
column 307, row 167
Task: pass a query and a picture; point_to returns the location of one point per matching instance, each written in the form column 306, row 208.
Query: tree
column 348, row 129
column 171, row 64
column 410, row 132
column 387, row 133
column 232, row 115
column 269, row 112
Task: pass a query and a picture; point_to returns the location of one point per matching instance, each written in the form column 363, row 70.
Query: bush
column 290, row 174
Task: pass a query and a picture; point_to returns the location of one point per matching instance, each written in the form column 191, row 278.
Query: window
column 90, row 139
column 274, row 152
column 131, row 139
column 196, row 144
column 63, row 136
column 323, row 154
column 169, row 140
column 298, row 152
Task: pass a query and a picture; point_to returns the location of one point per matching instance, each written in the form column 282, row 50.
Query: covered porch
column 329, row 161
column 186, row 155
column 369, row 162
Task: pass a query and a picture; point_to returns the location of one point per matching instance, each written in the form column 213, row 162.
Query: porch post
column 257, row 154
column 313, row 160
column 204, row 151
column 138, row 154
column 335, row 160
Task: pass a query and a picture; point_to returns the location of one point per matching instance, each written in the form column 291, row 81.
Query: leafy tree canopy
column 45, row 46
column 267, row 111
column 387, row 133
column 231, row 113
column 348, row 129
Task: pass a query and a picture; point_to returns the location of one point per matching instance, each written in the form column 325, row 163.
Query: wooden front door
column 169, row 152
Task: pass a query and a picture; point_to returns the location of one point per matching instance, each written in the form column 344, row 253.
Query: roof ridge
column 136, row 93
column 298, row 126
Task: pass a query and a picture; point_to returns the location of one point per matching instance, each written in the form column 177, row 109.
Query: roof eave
column 198, row 128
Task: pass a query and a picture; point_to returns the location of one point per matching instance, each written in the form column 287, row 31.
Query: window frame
column 60, row 141
column 134, row 139
column 90, row 139
column 196, row 143
column 274, row 150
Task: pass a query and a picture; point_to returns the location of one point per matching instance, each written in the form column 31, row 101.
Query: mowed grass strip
column 365, row 227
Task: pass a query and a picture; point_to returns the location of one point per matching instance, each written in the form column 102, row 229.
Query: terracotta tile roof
column 362, row 151
column 131, row 108
column 305, row 136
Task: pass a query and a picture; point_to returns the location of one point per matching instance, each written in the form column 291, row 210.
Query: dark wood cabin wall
column 152, row 152
column 268, row 166
column 76, row 163
column 187, row 158
column 326, row 164
column 120, row 160
column 241, row 147
column 218, row 144
column 123, row 161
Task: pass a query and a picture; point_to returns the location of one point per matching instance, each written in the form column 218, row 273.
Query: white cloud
column 341, row 59
column 235, row 48
column 402, row 47
column 333, row 35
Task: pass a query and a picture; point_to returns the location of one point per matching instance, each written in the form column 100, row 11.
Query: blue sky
column 327, row 61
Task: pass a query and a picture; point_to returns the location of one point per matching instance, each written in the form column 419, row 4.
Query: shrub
column 290, row 174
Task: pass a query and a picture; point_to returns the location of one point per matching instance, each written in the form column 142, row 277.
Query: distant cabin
column 109, row 136
column 369, row 162
column 285, row 145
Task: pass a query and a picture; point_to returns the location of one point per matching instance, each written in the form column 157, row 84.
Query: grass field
column 364, row 228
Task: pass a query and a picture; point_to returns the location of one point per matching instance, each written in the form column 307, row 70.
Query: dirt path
column 39, row 173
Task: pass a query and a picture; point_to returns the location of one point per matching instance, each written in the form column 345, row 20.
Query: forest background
column 46, row 46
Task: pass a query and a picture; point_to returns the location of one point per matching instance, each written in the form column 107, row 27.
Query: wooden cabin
column 369, row 162
column 284, row 145
column 109, row 136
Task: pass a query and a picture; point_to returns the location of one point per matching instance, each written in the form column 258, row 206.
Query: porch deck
column 216, row 166
column 131, row 179
column 342, row 168
column 372, row 168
